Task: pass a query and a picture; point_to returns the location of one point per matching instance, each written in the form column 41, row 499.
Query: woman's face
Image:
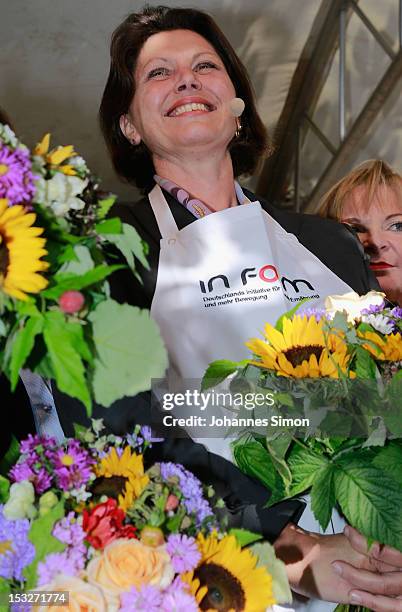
column 379, row 227
column 182, row 94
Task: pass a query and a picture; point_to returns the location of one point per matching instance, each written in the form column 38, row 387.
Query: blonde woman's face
column 379, row 228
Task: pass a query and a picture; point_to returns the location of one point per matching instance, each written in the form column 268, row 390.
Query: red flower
column 104, row 523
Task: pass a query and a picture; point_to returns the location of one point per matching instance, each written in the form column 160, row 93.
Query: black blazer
column 332, row 243
column 16, row 411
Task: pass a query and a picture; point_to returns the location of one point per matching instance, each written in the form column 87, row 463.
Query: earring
column 238, row 127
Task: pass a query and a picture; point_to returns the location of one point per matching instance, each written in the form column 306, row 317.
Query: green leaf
column 104, row 206
column 219, row 370
column 81, row 263
column 129, row 349
column 289, row 314
column 389, row 460
column 370, row 500
column 5, row 590
column 11, row 457
column 45, row 543
column 245, row 537
column 365, row 366
column 23, row 344
column 253, row 459
column 66, row 349
column 323, row 495
column 110, row 226
column 4, row 489
column 305, row 465
column 67, row 282
column 265, row 553
column 130, row 245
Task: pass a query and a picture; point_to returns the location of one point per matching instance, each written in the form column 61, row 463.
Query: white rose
column 352, row 303
column 20, row 504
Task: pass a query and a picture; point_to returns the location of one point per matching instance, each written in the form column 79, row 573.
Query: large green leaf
column 45, row 543
column 370, row 499
column 305, row 465
column 245, row 537
column 323, row 495
column 81, row 263
column 253, row 459
column 22, row 346
column 218, row 370
column 129, row 348
column 389, row 459
column 130, row 245
column 66, row 349
column 67, row 282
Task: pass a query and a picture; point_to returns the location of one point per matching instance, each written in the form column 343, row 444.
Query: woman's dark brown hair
column 134, row 163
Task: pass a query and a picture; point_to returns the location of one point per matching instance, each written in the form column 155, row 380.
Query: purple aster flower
column 183, row 551
column 396, row 312
column 177, row 598
column 68, row 531
column 57, row 563
column 146, row 433
column 31, row 442
column 72, row 560
column 16, row 550
column 16, row 178
column 27, row 470
column 373, row 309
column 146, row 599
column 318, row 313
column 72, row 464
column 191, row 489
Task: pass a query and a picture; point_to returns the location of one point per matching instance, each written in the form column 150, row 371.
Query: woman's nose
column 187, row 80
column 375, row 241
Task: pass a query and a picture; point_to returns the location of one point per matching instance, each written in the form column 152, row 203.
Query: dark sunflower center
column 297, row 354
column 224, row 590
column 4, row 256
column 112, row 486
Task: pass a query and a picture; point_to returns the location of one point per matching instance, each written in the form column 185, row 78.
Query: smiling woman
column 369, row 199
column 172, row 128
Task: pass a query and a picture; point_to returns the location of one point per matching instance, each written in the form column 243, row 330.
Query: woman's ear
column 129, row 130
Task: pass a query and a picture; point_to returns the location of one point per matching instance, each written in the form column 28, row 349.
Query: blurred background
column 327, row 75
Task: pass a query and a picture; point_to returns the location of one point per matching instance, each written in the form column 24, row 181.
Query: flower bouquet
column 57, row 250
column 85, row 521
column 334, row 423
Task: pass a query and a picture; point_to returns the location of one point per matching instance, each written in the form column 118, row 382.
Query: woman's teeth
column 187, row 108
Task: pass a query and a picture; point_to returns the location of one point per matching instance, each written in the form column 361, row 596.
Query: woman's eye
column 359, row 229
column 158, row 73
column 205, row 66
column 396, row 227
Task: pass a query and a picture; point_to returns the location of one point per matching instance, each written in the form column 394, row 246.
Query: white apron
column 220, row 279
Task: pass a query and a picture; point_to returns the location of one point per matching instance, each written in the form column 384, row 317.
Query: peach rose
column 126, row 563
column 83, row 597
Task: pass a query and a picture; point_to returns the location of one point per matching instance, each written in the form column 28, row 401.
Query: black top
column 245, row 497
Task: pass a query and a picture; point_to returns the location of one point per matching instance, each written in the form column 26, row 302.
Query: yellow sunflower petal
column 59, row 155
column 43, row 146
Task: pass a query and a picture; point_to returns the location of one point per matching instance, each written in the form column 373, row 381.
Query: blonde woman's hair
column 372, row 173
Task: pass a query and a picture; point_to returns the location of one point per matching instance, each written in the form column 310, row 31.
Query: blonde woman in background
column 369, row 199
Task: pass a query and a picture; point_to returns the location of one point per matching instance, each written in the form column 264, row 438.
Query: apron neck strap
column 164, row 218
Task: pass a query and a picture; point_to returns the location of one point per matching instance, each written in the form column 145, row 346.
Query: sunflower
column 227, row 579
column 121, row 477
column 385, row 348
column 57, row 156
column 21, row 250
column 301, row 350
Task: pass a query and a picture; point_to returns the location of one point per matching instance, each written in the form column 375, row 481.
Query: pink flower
column 71, row 302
